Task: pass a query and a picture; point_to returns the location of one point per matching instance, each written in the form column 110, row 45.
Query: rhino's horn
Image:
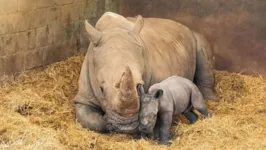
column 94, row 35
column 128, row 97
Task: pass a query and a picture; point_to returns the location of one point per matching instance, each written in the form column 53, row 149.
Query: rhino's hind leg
column 90, row 117
column 191, row 116
column 198, row 102
column 204, row 77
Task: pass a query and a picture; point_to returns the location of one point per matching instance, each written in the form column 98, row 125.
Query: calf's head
column 149, row 104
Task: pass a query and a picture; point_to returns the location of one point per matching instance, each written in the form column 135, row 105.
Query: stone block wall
column 35, row 33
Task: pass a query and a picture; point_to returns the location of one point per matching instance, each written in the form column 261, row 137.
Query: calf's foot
column 205, row 113
column 137, row 136
column 191, row 116
column 165, row 142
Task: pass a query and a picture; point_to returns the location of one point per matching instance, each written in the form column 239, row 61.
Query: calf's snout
column 143, row 128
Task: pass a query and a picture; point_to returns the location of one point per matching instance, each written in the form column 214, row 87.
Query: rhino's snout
column 117, row 123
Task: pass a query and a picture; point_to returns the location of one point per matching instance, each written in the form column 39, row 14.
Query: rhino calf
column 174, row 95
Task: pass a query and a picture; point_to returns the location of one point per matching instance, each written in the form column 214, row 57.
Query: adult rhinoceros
column 127, row 52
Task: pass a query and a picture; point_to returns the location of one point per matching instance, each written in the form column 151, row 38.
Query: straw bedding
column 37, row 113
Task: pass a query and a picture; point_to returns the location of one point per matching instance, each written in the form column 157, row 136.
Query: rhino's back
column 170, row 50
column 170, row 46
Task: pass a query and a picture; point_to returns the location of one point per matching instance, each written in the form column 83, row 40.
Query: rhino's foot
column 204, row 112
column 146, row 136
column 212, row 97
column 91, row 118
column 208, row 94
column 156, row 136
column 207, row 117
column 191, row 116
column 138, row 136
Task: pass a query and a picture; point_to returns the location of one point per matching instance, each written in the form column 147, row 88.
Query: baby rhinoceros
column 174, row 95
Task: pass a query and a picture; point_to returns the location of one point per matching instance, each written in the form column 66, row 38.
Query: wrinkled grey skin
column 173, row 96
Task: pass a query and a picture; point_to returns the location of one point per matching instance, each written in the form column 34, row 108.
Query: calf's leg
column 166, row 122
column 191, row 116
column 198, row 102
column 156, row 129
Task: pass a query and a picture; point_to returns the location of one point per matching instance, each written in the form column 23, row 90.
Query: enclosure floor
column 37, row 113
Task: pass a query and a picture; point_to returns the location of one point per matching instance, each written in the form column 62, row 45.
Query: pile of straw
column 37, row 113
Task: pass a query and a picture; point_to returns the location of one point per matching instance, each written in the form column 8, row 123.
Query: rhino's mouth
column 120, row 124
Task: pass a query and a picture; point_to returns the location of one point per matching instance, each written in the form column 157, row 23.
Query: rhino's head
column 116, row 67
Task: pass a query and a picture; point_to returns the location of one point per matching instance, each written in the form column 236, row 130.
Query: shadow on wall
column 236, row 29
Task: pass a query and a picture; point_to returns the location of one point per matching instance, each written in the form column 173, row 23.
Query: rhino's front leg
column 90, row 117
column 166, row 122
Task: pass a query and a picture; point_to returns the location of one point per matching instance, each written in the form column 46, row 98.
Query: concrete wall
column 35, row 33
column 235, row 28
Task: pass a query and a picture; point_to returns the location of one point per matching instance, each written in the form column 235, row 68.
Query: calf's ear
column 158, row 94
column 140, row 89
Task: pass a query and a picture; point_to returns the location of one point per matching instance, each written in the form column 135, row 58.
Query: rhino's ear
column 158, row 94
column 94, row 35
column 138, row 25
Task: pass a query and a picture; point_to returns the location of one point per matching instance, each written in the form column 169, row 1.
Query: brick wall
column 35, row 33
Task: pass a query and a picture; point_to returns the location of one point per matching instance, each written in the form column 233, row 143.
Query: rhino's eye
column 102, row 89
